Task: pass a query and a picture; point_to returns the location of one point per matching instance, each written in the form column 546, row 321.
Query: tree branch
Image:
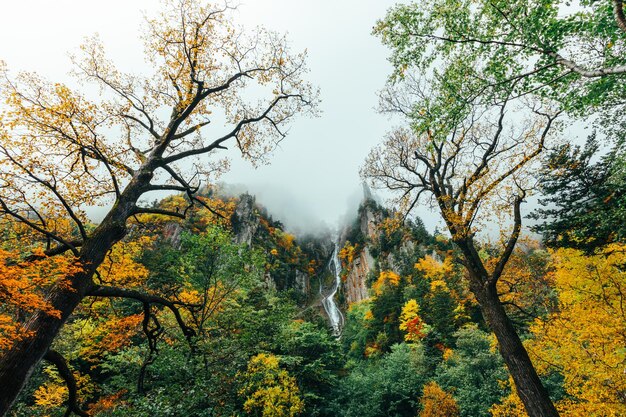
column 57, row 250
column 618, row 11
column 60, row 363
column 217, row 144
column 146, row 210
column 587, row 73
column 510, row 246
column 114, row 292
column 5, row 209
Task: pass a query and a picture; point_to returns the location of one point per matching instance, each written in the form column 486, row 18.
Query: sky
column 313, row 176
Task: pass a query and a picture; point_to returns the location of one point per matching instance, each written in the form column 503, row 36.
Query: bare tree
column 60, row 152
column 473, row 167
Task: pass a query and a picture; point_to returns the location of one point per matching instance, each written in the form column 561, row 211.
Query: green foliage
column 438, row 311
column 519, row 46
column 356, row 331
column 314, row 357
column 385, row 323
column 584, row 197
column 473, row 373
column 389, row 386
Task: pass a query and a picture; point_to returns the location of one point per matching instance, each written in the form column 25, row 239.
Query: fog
column 312, row 181
column 314, row 172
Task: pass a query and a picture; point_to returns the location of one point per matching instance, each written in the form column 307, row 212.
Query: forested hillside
column 184, row 299
column 244, row 331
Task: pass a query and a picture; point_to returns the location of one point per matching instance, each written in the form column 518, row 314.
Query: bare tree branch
column 60, row 363
column 510, row 246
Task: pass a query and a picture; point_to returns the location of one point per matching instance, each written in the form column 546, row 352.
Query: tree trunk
column 527, row 383
column 531, row 391
column 17, row 365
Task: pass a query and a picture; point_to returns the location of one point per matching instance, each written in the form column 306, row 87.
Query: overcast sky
column 315, row 171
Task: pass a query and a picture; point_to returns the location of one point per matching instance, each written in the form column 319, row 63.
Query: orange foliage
column 286, row 240
column 372, row 349
column 109, row 335
column 108, row 403
column 22, row 290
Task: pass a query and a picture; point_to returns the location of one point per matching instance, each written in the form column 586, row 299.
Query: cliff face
column 355, row 286
column 245, row 220
column 171, row 233
column 291, row 261
column 378, row 240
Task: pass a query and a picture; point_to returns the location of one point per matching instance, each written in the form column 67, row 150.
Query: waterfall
column 328, row 301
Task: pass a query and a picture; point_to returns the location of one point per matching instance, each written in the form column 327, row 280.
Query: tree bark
column 527, row 383
column 529, row 387
column 18, row 364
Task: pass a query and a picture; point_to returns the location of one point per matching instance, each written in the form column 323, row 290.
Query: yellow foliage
column 386, row 278
column 585, row 340
column 372, row 349
column 120, row 267
column 270, row 391
column 438, row 285
column 436, row 402
column 348, row 253
column 510, row 406
column 411, row 323
column 433, row 269
column 390, row 225
column 53, row 393
column 225, row 209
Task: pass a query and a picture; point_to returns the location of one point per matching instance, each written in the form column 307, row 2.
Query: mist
column 300, row 215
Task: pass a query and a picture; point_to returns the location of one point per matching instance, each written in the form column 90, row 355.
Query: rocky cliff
column 245, row 219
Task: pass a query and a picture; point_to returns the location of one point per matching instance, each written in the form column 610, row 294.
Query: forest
column 186, row 299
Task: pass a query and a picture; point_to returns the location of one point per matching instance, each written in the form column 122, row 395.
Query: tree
column 472, row 373
column 573, row 53
column 472, row 159
column 584, row 199
column 60, row 152
column 436, row 402
column 269, row 390
column 465, row 167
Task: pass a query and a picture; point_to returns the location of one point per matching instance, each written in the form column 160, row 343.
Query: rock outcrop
column 355, row 286
column 245, row 219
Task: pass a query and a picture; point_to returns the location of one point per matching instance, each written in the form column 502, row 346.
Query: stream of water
column 328, row 301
